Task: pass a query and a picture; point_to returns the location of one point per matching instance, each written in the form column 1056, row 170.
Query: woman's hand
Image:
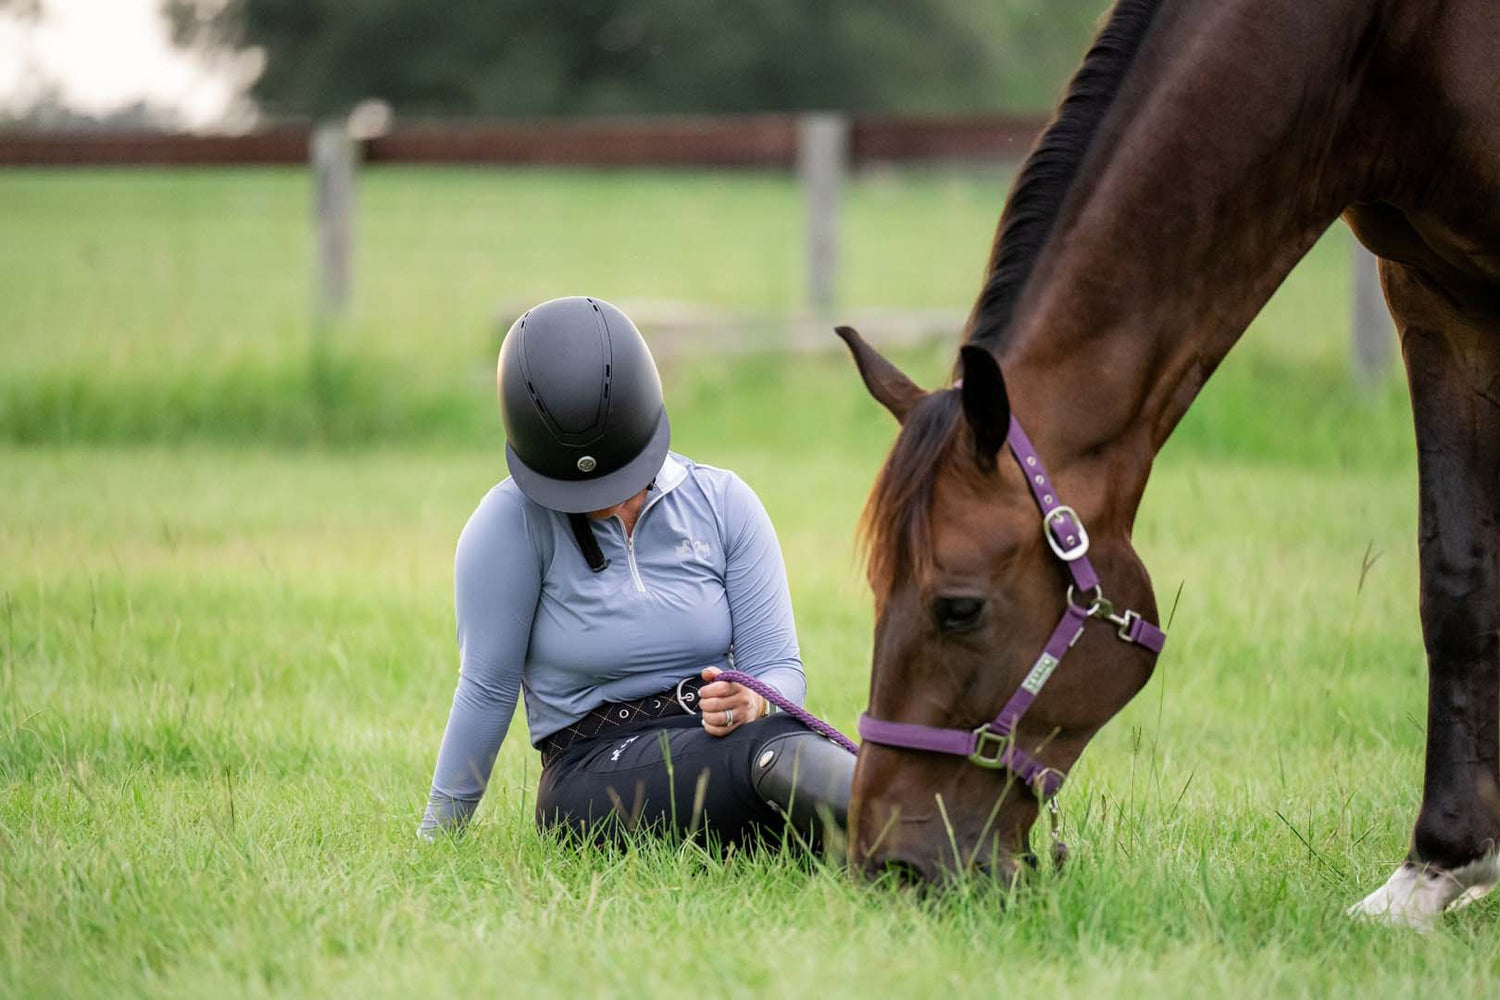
column 726, row 706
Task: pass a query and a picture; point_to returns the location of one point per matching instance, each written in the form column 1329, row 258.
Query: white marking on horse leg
column 1415, row 895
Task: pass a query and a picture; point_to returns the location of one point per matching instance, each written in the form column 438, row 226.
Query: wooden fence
column 821, row 148
column 725, row 141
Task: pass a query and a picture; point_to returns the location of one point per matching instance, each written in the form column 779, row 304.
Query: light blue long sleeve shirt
column 701, row 575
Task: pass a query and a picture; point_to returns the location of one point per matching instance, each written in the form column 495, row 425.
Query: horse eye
column 956, row 613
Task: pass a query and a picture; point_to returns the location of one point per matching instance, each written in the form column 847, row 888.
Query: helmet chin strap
column 583, row 534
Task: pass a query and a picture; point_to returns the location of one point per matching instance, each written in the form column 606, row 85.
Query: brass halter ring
column 1100, row 606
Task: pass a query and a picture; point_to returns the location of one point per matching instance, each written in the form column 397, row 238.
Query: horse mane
column 1037, row 197
column 895, row 530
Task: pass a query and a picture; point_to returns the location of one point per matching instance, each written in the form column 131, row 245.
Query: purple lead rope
column 788, row 707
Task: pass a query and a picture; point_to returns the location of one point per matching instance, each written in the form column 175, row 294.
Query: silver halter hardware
column 1072, row 552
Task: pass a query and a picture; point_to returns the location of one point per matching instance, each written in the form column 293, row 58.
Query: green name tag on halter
column 1045, row 664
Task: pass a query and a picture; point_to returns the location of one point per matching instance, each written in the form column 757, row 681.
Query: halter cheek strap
column 991, row 745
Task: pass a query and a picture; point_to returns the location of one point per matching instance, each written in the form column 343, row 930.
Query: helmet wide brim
column 585, row 495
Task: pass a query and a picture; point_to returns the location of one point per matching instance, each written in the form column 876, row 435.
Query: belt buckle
column 684, row 699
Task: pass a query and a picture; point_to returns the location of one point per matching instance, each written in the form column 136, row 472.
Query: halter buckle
column 985, row 735
column 1078, row 549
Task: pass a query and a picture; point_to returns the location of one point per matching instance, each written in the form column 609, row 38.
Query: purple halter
column 991, row 746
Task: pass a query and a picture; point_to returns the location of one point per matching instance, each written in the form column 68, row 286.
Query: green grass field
column 226, row 643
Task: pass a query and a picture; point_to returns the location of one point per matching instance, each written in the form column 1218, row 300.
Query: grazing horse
column 1202, row 148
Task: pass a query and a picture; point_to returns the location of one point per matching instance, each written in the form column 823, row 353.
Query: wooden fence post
column 335, row 156
column 822, row 154
column 1372, row 334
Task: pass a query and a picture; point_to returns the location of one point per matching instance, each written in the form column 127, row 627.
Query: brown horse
column 1202, row 148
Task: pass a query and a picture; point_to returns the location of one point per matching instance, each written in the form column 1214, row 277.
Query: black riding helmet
column 585, row 428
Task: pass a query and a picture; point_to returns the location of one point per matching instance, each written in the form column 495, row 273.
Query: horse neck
column 1216, row 172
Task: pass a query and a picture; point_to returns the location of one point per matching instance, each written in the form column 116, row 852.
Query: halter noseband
column 991, row 746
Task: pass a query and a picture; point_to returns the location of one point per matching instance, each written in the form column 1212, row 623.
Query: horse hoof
column 1416, row 895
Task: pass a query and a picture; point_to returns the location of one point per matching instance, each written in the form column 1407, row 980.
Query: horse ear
column 891, row 389
column 986, row 405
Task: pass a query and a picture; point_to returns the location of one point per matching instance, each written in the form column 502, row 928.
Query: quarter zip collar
column 672, row 473
column 668, row 479
column 670, row 476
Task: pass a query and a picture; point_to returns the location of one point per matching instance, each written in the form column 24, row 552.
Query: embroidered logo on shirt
column 690, row 548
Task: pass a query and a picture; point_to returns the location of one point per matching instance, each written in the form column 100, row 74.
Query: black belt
column 679, row 700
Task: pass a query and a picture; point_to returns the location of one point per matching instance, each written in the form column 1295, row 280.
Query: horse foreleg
column 1454, row 373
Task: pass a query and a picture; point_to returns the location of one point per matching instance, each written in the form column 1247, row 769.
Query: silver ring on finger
column 728, row 717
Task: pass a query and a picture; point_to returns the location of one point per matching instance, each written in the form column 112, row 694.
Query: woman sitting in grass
column 610, row 580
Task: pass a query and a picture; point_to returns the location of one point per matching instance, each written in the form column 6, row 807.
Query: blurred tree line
column 592, row 57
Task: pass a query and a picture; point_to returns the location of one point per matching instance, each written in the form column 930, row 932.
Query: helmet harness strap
column 588, row 542
column 583, row 534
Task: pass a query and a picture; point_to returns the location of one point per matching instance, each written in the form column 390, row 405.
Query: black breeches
column 667, row 775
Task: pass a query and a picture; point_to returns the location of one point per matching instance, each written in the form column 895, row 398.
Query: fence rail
column 752, row 141
column 821, row 148
column 279, row 146
column 725, row 141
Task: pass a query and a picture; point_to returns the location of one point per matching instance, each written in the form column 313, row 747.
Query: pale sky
column 108, row 53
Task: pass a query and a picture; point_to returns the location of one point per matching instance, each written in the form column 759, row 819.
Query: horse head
column 968, row 588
